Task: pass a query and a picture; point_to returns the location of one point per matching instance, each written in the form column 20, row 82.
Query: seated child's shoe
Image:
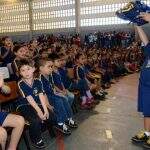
column 85, row 106
column 39, row 144
column 97, row 97
column 104, row 92
column 72, row 124
column 64, row 129
column 95, row 102
column 101, row 94
column 90, row 102
column 107, row 86
column 140, row 137
column 147, row 144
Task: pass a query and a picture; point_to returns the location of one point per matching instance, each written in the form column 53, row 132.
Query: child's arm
column 36, row 107
column 145, row 16
column 49, row 106
column 1, row 81
column 4, row 54
column 142, row 35
column 43, row 102
column 60, row 91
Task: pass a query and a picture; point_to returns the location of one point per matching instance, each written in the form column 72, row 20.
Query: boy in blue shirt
column 67, row 82
column 60, row 88
column 62, row 108
column 33, row 105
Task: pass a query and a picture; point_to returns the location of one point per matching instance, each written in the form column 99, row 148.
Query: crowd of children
column 109, row 39
column 48, row 71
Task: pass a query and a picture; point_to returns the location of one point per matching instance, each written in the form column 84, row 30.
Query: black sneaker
column 72, row 124
column 140, row 137
column 64, row 129
column 40, row 144
column 147, row 144
column 101, row 95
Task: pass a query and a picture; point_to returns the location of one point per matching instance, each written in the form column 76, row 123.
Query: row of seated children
column 43, row 101
column 114, row 63
column 110, row 63
column 51, row 84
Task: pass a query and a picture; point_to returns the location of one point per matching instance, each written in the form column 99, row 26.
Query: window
column 54, row 14
column 13, row 8
column 54, row 25
column 101, row 9
column 49, row 18
column 51, row 3
column 14, row 18
column 17, row 28
column 86, row 1
column 102, row 21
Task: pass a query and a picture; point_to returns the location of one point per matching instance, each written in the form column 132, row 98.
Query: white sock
column 60, row 124
column 147, row 133
column 89, row 94
column 83, row 99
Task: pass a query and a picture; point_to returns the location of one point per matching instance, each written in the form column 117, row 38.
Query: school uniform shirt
column 3, row 116
column 80, row 72
column 144, row 84
column 64, row 77
column 31, row 90
column 47, row 84
column 57, row 80
column 9, row 57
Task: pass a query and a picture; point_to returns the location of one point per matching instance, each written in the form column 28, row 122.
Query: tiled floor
column 110, row 125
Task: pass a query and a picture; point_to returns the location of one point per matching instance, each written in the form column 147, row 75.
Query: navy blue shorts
column 3, row 116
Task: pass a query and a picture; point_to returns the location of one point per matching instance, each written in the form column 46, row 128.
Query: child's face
column 49, row 51
column 57, row 63
column 8, row 42
column 47, row 68
column 27, row 71
column 21, row 53
column 81, row 60
column 63, row 62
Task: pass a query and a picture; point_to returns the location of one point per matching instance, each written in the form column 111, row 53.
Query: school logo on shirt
column 35, row 91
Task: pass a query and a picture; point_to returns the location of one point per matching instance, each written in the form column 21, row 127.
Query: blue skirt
column 3, row 116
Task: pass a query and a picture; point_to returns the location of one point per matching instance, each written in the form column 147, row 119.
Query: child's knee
column 20, row 121
column 3, row 135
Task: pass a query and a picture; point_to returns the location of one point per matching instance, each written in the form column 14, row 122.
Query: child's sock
column 83, row 99
column 60, row 124
column 89, row 94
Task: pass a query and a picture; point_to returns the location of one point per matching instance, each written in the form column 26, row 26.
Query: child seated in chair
column 13, row 121
column 61, row 106
column 82, row 82
column 59, row 86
